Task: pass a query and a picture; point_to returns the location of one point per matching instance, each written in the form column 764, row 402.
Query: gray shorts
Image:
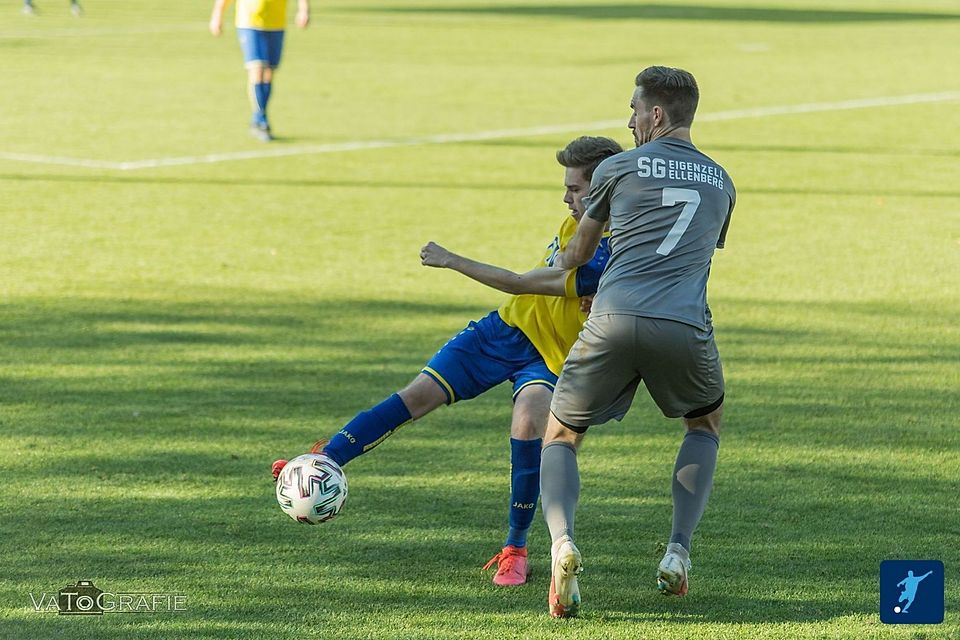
column 678, row 363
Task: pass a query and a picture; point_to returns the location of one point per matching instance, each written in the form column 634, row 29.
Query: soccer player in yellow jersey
column 260, row 26
column 525, row 342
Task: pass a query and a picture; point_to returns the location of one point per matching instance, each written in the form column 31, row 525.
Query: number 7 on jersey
column 691, row 200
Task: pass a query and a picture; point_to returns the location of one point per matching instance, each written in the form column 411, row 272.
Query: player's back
column 668, row 206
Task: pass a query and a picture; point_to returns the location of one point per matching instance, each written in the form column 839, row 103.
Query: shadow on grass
column 630, row 11
column 429, row 506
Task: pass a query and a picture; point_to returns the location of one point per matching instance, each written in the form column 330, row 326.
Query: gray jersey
column 668, row 206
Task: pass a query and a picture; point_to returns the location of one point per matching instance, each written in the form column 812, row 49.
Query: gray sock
column 559, row 487
column 692, row 481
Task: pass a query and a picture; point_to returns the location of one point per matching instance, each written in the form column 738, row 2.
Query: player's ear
column 659, row 116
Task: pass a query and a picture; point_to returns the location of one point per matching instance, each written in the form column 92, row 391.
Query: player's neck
column 680, row 133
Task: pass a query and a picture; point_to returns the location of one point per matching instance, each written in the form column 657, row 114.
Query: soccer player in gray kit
column 668, row 207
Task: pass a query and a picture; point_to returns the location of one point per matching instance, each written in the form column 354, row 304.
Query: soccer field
column 181, row 304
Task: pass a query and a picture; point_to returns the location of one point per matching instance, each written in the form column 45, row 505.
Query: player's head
column 665, row 100
column 581, row 158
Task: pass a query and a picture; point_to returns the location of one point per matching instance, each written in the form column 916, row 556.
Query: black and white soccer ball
column 311, row 488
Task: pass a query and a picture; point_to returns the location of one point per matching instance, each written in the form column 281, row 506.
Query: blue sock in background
column 368, row 429
column 260, row 97
column 525, row 488
column 267, row 86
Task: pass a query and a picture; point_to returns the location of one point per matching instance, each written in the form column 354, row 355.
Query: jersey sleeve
column 584, row 280
column 597, row 202
column 722, row 240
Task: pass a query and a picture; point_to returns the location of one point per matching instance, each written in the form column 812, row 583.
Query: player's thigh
column 599, row 378
column 273, row 48
column 681, row 367
column 253, row 47
column 480, row 357
column 531, row 406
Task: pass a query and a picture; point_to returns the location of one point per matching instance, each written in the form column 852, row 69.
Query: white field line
column 449, row 138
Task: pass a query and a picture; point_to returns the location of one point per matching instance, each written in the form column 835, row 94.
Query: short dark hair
column 674, row 90
column 586, row 152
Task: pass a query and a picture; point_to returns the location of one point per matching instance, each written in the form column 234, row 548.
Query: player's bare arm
column 303, row 14
column 547, row 281
column 216, row 17
column 583, row 244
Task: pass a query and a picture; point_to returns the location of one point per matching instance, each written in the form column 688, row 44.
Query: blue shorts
column 263, row 47
column 485, row 354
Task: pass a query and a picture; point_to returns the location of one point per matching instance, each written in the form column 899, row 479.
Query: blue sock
column 260, row 97
column 267, row 86
column 525, row 488
column 368, row 429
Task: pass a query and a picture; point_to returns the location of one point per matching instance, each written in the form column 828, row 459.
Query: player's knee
column 706, row 418
column 559, row 432
column 422, row 396
column 527, row 428
column 530, row 411
column 255, row 73
column 709, row 422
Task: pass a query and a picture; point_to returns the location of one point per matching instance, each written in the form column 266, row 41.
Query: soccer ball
column 311, row 488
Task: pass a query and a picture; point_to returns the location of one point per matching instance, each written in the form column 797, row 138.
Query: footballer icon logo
column 911, row 591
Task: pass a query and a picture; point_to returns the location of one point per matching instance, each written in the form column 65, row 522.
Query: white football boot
column 566, row 565
column 673, row 570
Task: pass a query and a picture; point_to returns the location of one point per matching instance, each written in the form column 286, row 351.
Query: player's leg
column 272, row 49
column 598, row 383
column 265, row 88
column 692, row 481
column 559, row 495
column 530, row 410
column 75, row 8
column 683, row 373
column 460, row 370
column 693, row 472
column 29, row 8
column 371, row 427
column 259, row 126
column 253, row 44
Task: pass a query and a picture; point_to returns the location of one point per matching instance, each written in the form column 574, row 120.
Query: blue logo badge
column 911, row 592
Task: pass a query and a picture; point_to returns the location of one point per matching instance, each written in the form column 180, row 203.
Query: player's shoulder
column 612, row 165
column 706, row 159
column 566, row 230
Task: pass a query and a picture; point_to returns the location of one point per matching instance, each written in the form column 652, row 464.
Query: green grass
column 166, row 333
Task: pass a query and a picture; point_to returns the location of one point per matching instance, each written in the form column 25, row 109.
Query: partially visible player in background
column 525, row 342
column 260, row 27
column 31, row 9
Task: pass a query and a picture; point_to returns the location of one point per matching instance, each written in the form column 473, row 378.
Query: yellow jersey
column 265, row 15
column 552, row 323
